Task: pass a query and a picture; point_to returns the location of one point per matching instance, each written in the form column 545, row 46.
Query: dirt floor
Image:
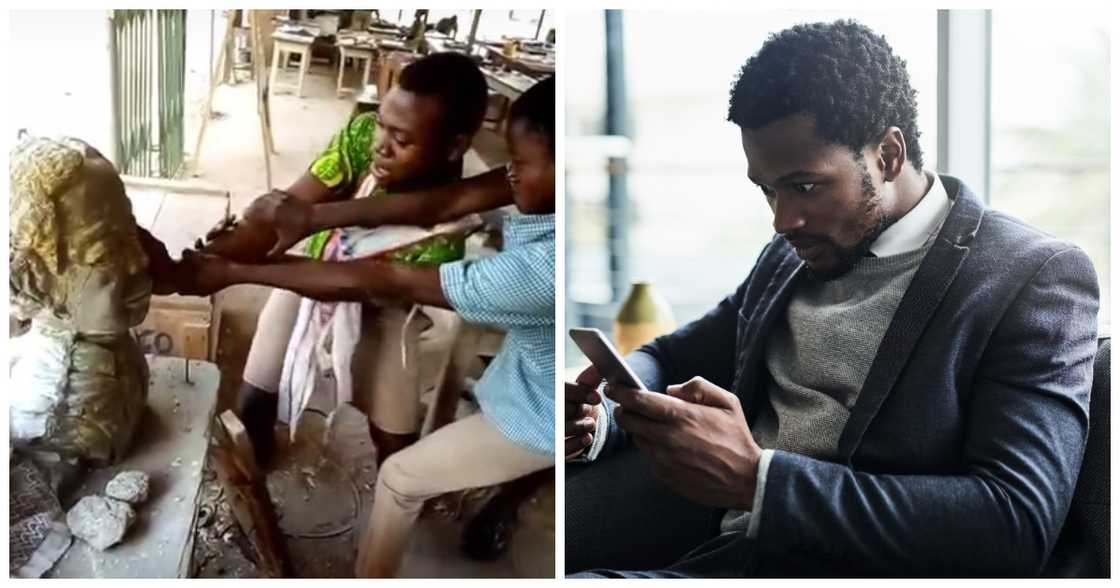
column 232, row 158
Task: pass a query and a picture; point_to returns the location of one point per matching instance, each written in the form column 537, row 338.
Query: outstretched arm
column 356, row 280
column 422, row 208
column 291, row 218
column 335, row 173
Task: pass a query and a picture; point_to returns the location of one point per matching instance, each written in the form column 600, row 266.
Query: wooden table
column 523, row 62
column 387, row 30
column 284, row 45
column 444, row 44
column 510, row 84
column 356, row 52
column 172, row 446
column 392, row 45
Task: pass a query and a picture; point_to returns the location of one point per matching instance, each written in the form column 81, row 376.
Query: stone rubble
column 102, row 522
column 130, row 487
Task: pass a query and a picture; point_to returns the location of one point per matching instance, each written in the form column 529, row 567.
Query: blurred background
column 1016, row 103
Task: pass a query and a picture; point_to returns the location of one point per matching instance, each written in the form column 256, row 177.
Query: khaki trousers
column 469, row 453
column 386, row 387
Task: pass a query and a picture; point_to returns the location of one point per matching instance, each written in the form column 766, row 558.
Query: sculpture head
column 75, row 258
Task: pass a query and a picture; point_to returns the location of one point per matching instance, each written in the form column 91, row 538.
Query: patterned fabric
column 515, row 290
column 345, row 165
column 435, row 250
column 37, row 531
column 348, row 156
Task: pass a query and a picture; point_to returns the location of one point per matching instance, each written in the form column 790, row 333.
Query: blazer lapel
column 759, row 321
column 929, row 285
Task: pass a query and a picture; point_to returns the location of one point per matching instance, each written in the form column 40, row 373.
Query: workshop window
column 695, row 223
column 1050, row 127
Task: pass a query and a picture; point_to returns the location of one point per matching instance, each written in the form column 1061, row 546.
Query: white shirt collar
column 917, row 227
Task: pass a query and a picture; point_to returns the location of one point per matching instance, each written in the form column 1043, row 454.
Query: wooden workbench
column 510, row 84
column 523, row 62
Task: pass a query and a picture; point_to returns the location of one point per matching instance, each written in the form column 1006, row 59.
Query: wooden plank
column 262, row 30
column 245, row 487
column 242, row 446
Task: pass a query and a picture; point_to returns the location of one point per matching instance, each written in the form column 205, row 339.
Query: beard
column 872, row 221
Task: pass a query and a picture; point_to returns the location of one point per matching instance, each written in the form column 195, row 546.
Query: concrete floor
column 232, row 158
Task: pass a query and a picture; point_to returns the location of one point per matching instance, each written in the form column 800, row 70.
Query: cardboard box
column 180, row 326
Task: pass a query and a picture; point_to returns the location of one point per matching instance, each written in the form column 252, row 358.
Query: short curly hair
column 842, row 74
column 537, row 109
column 456, row 82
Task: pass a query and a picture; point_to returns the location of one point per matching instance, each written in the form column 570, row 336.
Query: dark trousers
column 727, row 556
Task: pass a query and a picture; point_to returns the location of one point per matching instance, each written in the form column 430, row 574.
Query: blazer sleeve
column 704, row 347
column 1026, row 426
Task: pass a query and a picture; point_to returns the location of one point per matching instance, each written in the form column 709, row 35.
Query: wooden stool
column 356, row 53
column 282, row 49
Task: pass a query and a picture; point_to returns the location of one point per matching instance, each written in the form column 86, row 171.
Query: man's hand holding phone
column 581, row 401
column 695, row 435
column 696, row 439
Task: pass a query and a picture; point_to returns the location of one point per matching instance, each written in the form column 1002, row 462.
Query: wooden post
column 262, row 29
column 222, row 62
column 474, row 31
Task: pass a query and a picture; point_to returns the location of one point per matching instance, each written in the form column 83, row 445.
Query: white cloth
column 326, row 333
column 38, row 374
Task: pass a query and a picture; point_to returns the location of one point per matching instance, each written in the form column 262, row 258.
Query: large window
column 1050, row 127
column 697, row 224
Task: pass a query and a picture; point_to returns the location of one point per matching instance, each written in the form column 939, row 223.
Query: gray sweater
column 819, row 355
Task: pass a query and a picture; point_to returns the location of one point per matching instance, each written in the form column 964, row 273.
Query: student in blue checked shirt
column 512, row 436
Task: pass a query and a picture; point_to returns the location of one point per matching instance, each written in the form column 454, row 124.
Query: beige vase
column 644, row 316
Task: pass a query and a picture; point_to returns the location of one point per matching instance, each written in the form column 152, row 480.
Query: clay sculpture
column 79, row 274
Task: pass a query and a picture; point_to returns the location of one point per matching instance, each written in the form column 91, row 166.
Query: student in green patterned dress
column 415, row 143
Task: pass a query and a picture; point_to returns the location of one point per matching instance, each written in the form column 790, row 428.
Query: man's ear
column 459, row 146
column 892, row 153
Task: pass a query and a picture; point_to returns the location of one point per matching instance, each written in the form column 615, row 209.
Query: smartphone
column 605, row 358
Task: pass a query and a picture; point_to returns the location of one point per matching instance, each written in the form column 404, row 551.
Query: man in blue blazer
column 900, row 386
